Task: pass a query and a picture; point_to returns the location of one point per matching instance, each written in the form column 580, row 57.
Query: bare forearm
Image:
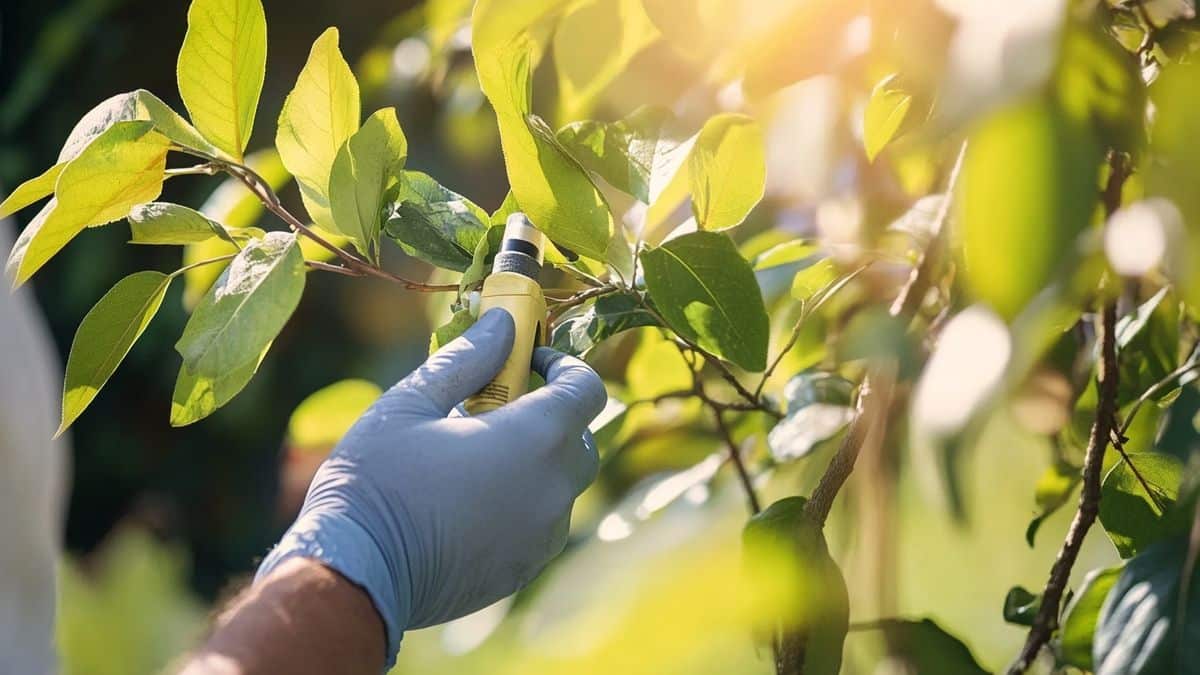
column 303, row 618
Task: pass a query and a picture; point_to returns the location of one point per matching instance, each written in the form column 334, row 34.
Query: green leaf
column 927, row 648
column 32, row 190
column 553, row 190
column 106, row 335
column 1074, row 643
column 364, row 168
column 1136, row 501
column 787, row 557
column 235, row 206
column 172, row 224
column 813, row 279
column 707, row 293
column 785, row 254
column 657, row 367
column 1151, row 332
column 728, row 171
column 593, row 43
column 818, row 408
column 886, row 112
column 322, row 418
column 221, row 68
column 1099, row 83
column 319, row 115
column 247, row 307
column 485, row 252
column 197, row 396
column 459, row 322
column 1150, row 622
column 606, row 317
column 436, row 224
column 1175, row 169
column 1024, row 219
column 1053, row 489
column 638, row 155
column 120, row 168
column 129, row 107
column 1021, row 606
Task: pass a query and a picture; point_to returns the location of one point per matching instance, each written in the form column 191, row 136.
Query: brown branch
column 1046, row 621
column 735, row 456
column 266, row 194
column 561, row 306
column 871, row 421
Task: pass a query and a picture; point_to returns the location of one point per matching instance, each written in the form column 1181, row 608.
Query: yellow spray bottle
column 513, row 285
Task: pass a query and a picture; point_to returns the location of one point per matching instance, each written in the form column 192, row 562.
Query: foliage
column 1016, row 246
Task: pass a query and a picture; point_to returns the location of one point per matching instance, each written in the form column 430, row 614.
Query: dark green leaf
column 707, row 293
column 106, row 335
column 1021, row 606
column 1136, row 501
column 1152, row 334
column 244, row 311
column 1147, row 625
column 363, row 170
column 605, row 318
column 785, row 553
column 435, row 224
column 928, row 649
column 1074, row 643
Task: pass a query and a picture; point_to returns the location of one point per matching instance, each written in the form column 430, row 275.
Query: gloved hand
column 436, row 514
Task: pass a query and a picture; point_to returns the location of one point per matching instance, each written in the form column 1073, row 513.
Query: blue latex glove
column 436, row 514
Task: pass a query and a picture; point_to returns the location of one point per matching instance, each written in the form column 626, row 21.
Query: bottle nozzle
column 521, row 236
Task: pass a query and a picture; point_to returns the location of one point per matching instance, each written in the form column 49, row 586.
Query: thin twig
column 735, row 456
column 561, row 306
column 201, row 263
column 1155, row 389
column 873, row 415
column 1046, row 621
column 1118, row 442
column 336, row 269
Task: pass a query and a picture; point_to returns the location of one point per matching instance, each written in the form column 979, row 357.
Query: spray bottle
column 513, row 285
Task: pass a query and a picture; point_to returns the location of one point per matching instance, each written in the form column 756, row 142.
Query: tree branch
column 735, row 456
column 266, row 194
column 873, row 415
column 1046, row 621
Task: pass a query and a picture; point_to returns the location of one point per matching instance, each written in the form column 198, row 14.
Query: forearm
column 302, row 618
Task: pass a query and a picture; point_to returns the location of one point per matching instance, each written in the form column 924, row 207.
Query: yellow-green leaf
column 594, row 42
column 131, row 106
column 197, row 396
column 362, row 171
column 247, row 307
column 221, row 68
column 235, row 206
column 1016, row 226
column 31, row 191
column 559, row 197
column 106, row 335
column 172, row 224
column 122, row 167
column 319, row 115
column 321, row 420
column 728, row 171
column 886, row 111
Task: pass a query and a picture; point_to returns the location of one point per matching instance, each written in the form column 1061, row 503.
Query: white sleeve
column 33, row 473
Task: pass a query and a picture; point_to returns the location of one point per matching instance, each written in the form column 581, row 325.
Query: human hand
column 436, row 514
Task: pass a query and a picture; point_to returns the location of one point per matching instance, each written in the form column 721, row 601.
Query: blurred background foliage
column 163, row 522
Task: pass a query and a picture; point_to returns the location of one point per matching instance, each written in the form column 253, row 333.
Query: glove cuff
column 340, row 543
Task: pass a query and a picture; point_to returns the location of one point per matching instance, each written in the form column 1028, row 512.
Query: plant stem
column 266, row 194
column 1046, row 621
column 735, row 456
column 871, row 421
column 210, row 261
column 1154, row 389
